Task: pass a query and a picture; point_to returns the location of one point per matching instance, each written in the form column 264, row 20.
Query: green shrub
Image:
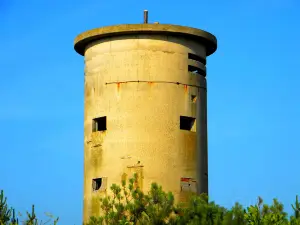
column 129, row 205
column 8, row 217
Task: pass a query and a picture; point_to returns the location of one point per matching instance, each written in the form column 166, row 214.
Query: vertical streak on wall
column 185, row 89
column 186, row 94
column 118, row 91
column 201, row 124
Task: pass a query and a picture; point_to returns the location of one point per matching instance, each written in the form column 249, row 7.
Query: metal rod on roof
column 145, row 16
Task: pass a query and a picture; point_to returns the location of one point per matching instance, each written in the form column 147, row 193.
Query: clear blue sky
column 253, row 96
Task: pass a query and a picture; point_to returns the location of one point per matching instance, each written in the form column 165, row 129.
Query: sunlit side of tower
column 145, row 108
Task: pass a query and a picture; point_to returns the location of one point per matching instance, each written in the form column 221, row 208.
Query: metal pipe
column 145, row 16
column 201, row 129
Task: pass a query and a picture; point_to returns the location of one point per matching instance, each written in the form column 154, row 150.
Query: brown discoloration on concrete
column 150, row 83
column 138, row 170
column 83, row 39
column 95, row 205
column 124, row 177
column 118, row 86
column 185, row 89
column 97, row 139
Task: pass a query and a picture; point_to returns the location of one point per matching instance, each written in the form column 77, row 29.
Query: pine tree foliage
column 129, row 205
column 5, row 212
column 8, row 216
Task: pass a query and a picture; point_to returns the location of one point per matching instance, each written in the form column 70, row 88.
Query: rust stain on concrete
column 151, row 83
column 185, row 89
column 118, row 86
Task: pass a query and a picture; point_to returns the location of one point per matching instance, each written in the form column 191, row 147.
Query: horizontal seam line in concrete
column 142, row 81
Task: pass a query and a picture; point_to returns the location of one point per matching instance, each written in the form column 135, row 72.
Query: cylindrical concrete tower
column 144, row 108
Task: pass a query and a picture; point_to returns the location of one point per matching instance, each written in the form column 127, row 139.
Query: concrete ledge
column 85, row 38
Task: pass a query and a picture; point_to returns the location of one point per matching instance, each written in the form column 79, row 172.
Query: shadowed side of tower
column 145, row 108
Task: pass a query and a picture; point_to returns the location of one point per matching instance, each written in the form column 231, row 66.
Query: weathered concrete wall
column 143, row 118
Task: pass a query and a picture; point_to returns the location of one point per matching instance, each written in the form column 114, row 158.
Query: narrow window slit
column 196, row 70
column 197, row 58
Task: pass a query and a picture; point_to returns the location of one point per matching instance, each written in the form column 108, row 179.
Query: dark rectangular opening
column 99, row 124
column 197, row 58
column 97, row 182
column 196, row 70
column 187, row 123
column 194, row 98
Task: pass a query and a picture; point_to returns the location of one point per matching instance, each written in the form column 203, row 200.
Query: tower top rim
column 85, row 38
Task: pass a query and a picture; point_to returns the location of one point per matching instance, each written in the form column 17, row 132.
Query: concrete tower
column 144, row 108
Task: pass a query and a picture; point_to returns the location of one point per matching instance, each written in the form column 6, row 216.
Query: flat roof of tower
column 85, row 38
